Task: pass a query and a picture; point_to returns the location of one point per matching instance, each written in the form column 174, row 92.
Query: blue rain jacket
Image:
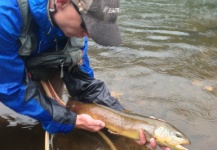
column 16, row 90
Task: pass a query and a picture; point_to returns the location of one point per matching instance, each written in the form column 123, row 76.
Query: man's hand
column 152, row 144
column 86, row 122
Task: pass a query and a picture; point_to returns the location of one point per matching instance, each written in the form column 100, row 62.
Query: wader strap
column 26, row 38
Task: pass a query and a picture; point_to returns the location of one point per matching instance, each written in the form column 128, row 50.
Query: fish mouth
column 185, row 142
column 181, row 146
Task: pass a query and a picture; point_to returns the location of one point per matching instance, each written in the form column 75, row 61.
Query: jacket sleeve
column 82, row 86
column 17, row 91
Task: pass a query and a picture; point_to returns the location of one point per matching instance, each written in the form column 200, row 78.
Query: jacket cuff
column 55, row 127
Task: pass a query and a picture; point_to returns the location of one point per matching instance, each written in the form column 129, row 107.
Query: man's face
column 69, row 20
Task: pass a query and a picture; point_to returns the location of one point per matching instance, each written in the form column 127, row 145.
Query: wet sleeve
column 82, row 86
column 87, row 89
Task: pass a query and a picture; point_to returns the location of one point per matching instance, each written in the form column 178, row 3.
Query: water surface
column 166, row 67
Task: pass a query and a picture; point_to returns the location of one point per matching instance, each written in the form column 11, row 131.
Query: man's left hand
column 152, row 144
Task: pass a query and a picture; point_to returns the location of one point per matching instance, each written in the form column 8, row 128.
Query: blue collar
column 40, row 13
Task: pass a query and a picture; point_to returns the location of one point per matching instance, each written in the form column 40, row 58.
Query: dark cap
column 100, row 18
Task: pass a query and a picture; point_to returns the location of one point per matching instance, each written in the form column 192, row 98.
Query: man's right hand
column 86, row 122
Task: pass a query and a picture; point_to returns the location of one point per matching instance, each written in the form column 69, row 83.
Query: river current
column 166, row 67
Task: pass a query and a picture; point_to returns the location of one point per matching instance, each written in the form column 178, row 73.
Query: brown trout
column 129, row 125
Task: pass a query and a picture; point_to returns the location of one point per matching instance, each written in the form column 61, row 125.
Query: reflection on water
column 92, row 141
column 166, row 66
column 20, row 137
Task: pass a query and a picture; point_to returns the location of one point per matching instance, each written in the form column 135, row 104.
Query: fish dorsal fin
column 152, row 117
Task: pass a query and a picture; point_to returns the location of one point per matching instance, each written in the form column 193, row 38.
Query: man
column 33, row 32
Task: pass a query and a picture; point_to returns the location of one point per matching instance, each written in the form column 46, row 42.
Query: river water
column 166, row 67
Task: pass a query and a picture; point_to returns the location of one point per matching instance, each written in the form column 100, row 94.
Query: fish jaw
column 180, row 147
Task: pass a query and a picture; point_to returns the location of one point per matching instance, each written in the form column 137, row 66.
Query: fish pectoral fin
column 113, row 132
column 147, row 135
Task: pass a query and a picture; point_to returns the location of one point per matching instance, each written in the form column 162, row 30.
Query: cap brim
column 101, row 33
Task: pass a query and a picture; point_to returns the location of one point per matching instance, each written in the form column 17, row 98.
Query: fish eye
column 178, row 134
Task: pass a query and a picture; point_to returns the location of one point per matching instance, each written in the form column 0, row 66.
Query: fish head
column 170, row 136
